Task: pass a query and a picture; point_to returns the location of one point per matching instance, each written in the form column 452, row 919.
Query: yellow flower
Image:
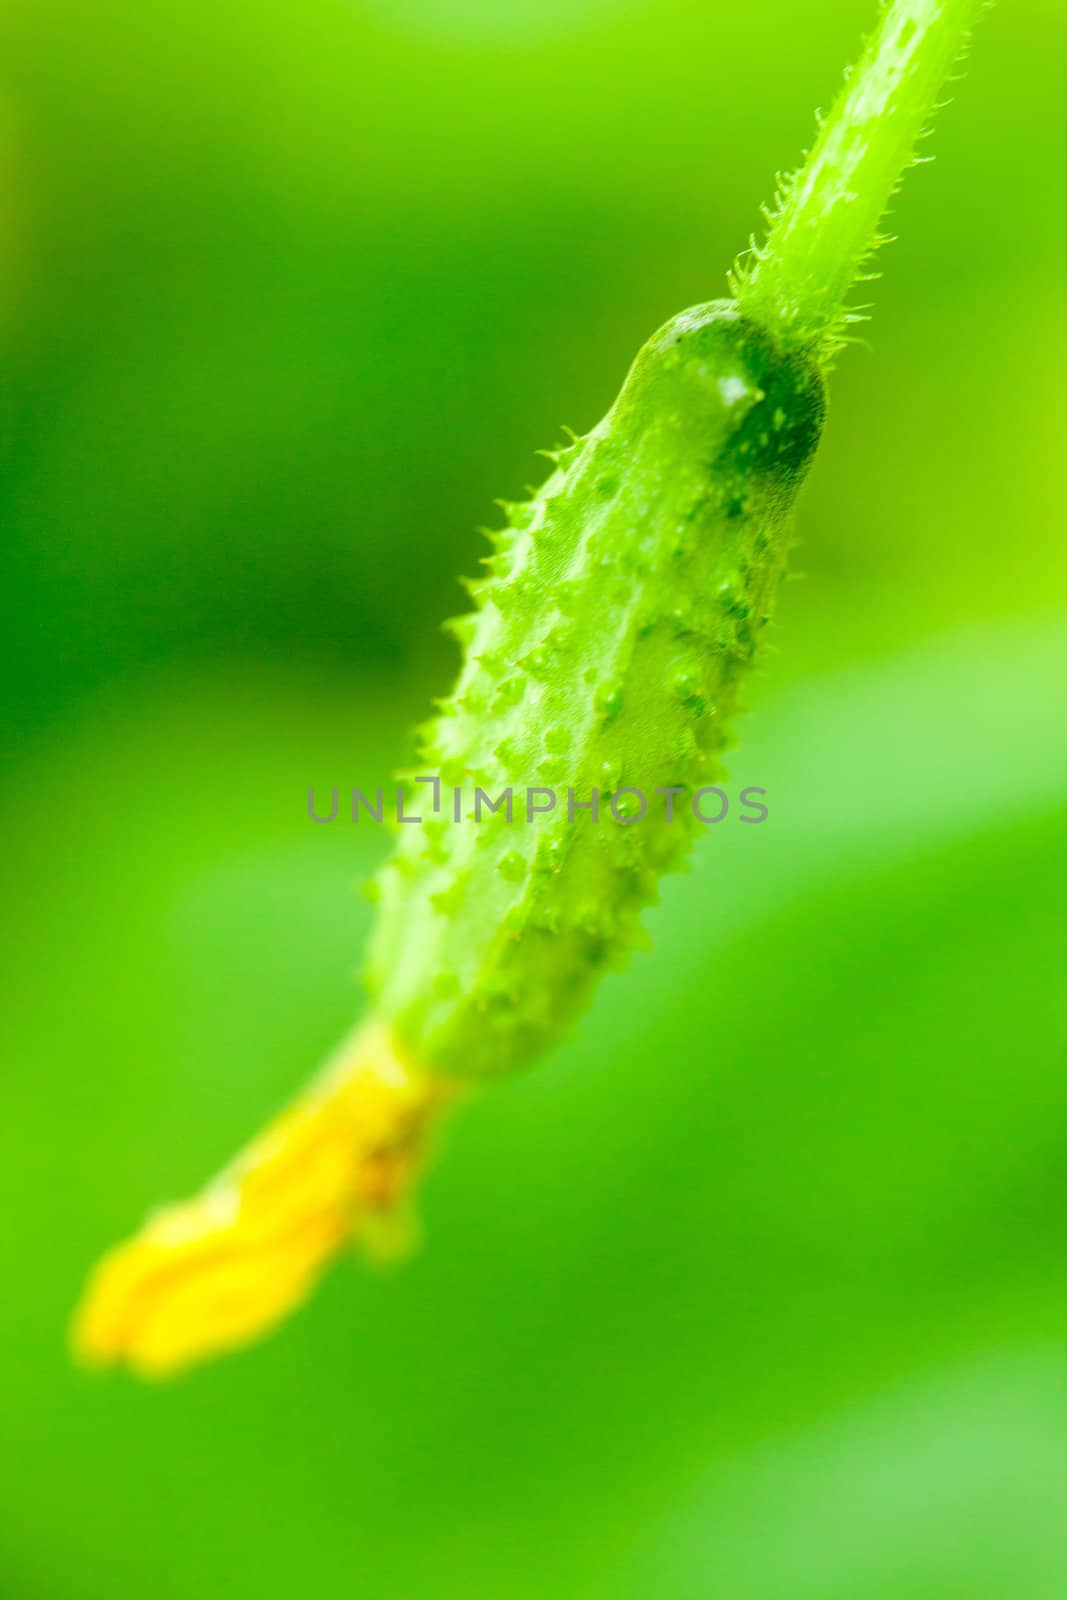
column 215, row 1272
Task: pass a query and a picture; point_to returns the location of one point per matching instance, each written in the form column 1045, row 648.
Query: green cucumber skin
column 623, row 609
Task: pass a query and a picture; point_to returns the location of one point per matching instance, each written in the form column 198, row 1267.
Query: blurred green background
column 758, row 1288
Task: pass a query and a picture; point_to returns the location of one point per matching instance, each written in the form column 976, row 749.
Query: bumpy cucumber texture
column 624, row 606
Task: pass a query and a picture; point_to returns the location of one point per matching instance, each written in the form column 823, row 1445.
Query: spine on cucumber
column 623, row 607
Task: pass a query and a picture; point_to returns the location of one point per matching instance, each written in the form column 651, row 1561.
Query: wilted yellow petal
column 217, row 1271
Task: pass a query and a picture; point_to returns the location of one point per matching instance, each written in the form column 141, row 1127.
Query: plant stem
column 824, row 225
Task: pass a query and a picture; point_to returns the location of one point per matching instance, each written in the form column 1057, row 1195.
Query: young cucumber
column 624, row 607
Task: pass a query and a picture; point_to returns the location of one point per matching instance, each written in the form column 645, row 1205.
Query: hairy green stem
column 825, row 223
